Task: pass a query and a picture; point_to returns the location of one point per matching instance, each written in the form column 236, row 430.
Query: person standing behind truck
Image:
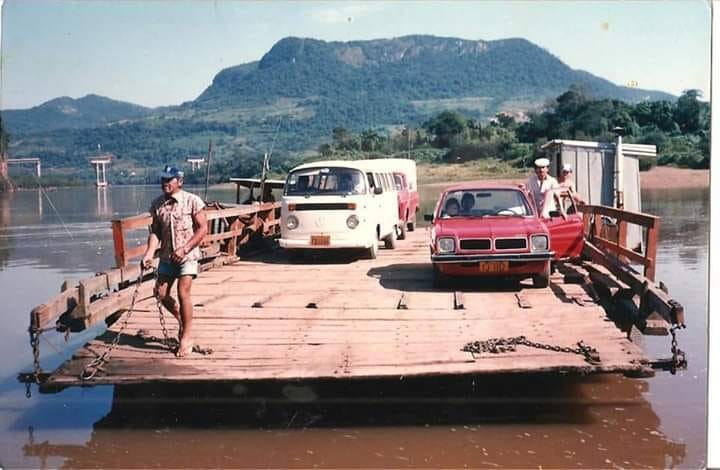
column 540, row 186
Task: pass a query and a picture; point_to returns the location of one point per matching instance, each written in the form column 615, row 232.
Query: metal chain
column 96, row 364
column 167, row 341
column 679, row 361
column 35, row 345
column 501, row 345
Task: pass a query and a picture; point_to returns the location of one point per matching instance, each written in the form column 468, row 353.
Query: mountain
column 68, row 113
column 409, row 69
column 301, row 89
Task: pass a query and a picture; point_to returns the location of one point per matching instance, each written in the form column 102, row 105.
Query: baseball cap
column 542, row 162
column 566, row 168
column 170, row 172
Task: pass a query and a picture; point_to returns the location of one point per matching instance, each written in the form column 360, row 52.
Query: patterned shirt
column 538, row 190
column 172, row 223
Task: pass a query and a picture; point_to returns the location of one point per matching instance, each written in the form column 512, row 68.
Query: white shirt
column 538, row 190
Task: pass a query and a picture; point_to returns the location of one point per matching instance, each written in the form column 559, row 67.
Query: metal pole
column 207, row 169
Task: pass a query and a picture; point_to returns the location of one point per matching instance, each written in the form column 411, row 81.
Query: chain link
column 502, row 345
column 679, row 361
column 96, row 364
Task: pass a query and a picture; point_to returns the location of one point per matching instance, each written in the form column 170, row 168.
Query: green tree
column 445, row 126
column 691, row 114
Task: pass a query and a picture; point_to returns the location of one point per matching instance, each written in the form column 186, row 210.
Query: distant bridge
column 20, row 161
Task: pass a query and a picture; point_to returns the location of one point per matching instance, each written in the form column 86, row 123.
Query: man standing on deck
column 540, row 186
column 178, row 226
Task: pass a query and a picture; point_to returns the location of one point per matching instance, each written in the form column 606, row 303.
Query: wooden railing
column 613, row 238
column 228, row 229
column 606, row 244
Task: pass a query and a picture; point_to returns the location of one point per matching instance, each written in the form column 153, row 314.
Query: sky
column 156, row 53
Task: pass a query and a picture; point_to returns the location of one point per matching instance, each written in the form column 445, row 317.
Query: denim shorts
column 172, row 270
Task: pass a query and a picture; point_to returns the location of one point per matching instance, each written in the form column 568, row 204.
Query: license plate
column 493, row 266
column 320, row 240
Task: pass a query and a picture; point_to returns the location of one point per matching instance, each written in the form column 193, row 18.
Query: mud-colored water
column 598, row 421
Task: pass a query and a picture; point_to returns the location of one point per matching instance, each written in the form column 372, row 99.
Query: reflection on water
column 588, row 422
column 506, row 421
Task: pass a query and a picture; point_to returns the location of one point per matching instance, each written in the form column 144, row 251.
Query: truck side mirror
column 428, row 217
column 377, row 190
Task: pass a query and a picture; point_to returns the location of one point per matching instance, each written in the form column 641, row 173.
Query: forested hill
column 69, row 113
column 293, row 98
column 410, row 69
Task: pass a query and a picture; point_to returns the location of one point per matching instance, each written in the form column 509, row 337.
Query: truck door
column 566, row 234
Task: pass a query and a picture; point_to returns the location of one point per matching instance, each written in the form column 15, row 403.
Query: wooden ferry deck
column 269, row 318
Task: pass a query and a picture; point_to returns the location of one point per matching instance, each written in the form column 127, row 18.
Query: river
column 590, row 422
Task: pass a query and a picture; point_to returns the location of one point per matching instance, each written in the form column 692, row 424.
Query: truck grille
column 475, row 244
column 510, row 243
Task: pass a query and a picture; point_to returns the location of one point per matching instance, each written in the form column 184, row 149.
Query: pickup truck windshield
column 484, row 202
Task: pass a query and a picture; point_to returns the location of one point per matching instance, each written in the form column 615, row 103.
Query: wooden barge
column 336, row 316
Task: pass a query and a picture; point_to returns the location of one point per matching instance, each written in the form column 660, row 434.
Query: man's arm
column 152, row 244
column 199, row 231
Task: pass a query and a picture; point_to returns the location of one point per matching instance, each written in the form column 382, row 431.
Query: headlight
column 352, row 221
column 446, row 245
column 292, row 222
column 539, row 242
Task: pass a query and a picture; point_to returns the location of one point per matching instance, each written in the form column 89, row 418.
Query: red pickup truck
column 489, row 230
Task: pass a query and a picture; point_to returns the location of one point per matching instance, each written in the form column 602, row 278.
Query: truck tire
column 542, row 280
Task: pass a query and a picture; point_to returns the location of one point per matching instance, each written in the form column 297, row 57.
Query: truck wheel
column 439, row 279
column 371, row 252
column 542, row 280
column 391, row 239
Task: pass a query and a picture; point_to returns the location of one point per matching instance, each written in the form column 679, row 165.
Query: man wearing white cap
column 178, row 226
column 540, row 185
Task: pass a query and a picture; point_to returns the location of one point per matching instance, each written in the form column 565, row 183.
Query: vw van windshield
column 325, row 181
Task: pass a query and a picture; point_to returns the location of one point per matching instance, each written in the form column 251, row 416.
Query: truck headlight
column 539, row 243
column 292, row 222
column 446, row 245
column 352, row 221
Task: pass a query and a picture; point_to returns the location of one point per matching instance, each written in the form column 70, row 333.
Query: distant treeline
column 679, row 130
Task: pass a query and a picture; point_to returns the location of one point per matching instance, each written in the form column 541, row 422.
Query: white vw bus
column 341, row 204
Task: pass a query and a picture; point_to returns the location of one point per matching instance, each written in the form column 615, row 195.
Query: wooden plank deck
column 269, row 318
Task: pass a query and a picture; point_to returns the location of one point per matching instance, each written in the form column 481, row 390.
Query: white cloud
column 346, row 13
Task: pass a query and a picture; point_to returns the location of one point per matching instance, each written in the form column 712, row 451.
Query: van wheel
column 371, row 252
column 296, row 254
column 401, row 231
column 542, row 280
column 391, row 239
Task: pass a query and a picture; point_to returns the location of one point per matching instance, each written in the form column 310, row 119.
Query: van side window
column 399, row 186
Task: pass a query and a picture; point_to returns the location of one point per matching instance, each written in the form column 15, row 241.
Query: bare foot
column 185, row 348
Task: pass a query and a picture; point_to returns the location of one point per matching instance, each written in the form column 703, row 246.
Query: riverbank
column 656, row 178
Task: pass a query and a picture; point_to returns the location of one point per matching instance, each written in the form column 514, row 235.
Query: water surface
column 598, row 421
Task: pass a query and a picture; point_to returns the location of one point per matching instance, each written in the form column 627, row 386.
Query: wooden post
column 232, row 242
column 119, row 243
column 622, row 237
column 586, row 224
column 651, row 249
